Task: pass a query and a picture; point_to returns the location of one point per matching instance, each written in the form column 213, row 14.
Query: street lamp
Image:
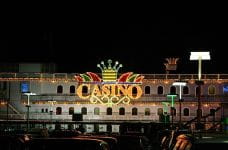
column 173, row 96
column 199, row 56
column 28, row 95
column 180, row 84
column 166, row 104
column 51, row 109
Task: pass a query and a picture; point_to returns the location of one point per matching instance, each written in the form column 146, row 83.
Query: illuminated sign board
column 24, row 87
column 109, row 90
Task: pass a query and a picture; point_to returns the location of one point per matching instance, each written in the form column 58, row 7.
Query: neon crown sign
column 109, row 90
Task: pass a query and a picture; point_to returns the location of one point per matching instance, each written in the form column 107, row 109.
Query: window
column 109, row 111
column 58, row 111
column 160, row 111
column 60, row 89
column 173, row 111
column 147, row 90
column 147, row 111
column 4, row 85
column 46, row 110
column 212, row 112
column 72, row 89
column 24, row 87
column 225, row 89
column 134, row 111
column 172, row 90
column 185, row 90
column 84, row 90
column 42, row 110
column 134, row 91
column 96, row 111
column 211, row 90
column 186, row 112
column 197, row 91
column 84, row 110
column 121, row 111
column 160, row 90
column 71, row 110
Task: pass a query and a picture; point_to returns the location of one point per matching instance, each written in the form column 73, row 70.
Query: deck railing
column 71, row 76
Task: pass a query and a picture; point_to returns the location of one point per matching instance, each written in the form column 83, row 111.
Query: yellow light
column 206, row 105
column 110, row 94
column 166, row 81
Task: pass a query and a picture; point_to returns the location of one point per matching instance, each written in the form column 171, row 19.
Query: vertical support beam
column 199, row 67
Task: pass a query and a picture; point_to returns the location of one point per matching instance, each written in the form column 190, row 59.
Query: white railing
column 70, row 76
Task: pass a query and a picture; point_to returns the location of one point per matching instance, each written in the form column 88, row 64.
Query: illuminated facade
column 60, row 95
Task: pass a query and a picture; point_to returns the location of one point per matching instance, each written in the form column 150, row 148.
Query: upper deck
column 71, row 77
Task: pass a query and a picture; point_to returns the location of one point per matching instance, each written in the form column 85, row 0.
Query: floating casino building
column 110, row 97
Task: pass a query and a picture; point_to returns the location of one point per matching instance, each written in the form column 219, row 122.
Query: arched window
column 84, row 111
column 173, row 111
column 96, row 111
column 84, row 90
column 186, row 112
column 42, row 110
column 172, row 90
column 134, row 91
column 46, row 110
column 72, row 89
column 211, row 90
column 121, row 111
column 147, row 90
column 134, row 111
column 71, row 110
column 147, row 111
column 58, row 110
column 212, row 112
column 109, row 111
column 60, row 89
column 160, row 90
column 197, row 91
column 185, row 90
column 160, row 111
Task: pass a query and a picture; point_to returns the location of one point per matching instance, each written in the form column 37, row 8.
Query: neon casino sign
column 109, row 90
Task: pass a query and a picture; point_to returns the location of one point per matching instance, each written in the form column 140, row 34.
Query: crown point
column 109, row 61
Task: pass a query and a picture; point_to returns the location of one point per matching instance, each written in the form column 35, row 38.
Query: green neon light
column 166, row 104
column 172, row 99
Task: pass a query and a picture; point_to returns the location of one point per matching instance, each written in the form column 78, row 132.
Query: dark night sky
column 78, row 43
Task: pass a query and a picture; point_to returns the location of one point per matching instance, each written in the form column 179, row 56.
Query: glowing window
column 225, row 89
column 96, row 111
column 211, row 90
column 24, row 87
column 147, row 111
